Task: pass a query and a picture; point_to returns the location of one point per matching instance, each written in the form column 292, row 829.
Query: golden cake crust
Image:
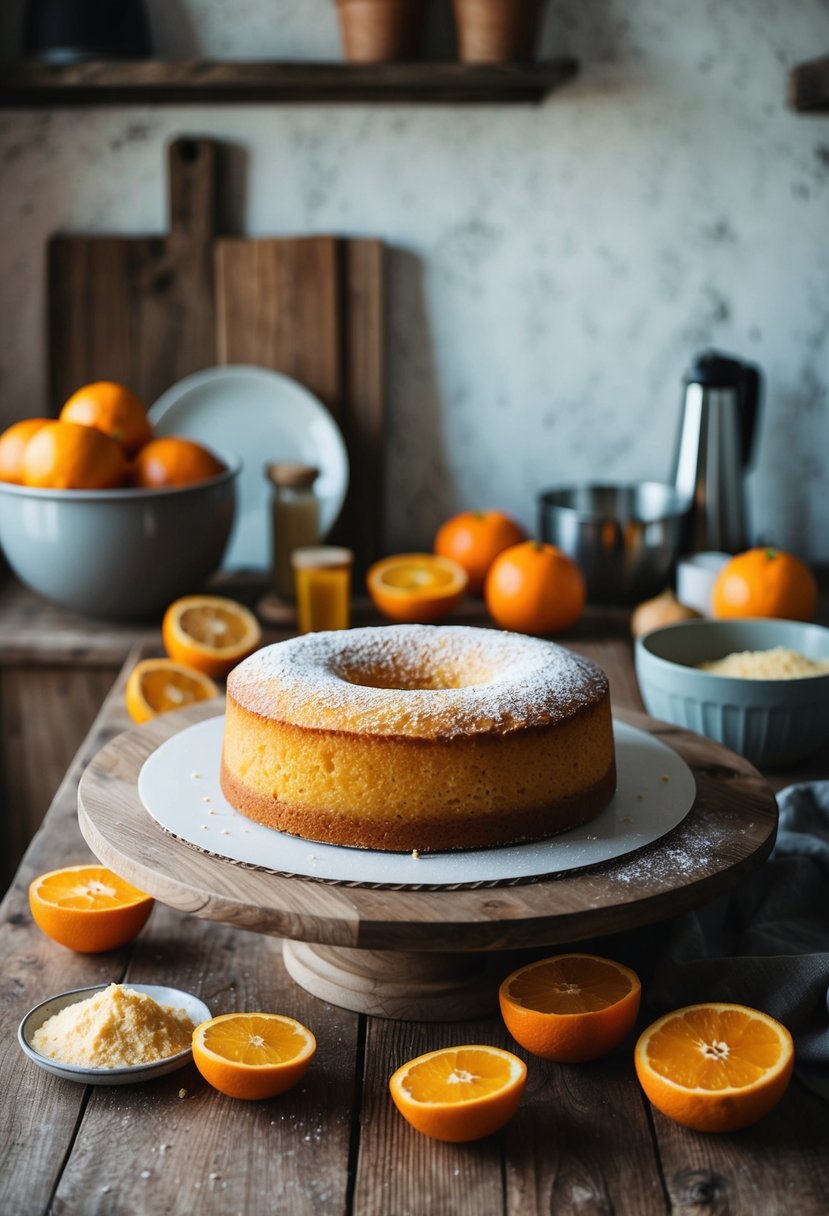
column 418, row 737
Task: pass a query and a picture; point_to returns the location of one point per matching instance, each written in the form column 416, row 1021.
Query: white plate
column 265, row 417
column 195, row 1009
column 179, row 786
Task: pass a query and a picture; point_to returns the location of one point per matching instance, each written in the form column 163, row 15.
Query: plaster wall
column 553, row 269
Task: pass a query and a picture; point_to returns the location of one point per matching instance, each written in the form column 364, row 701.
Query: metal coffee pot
column 717, row 428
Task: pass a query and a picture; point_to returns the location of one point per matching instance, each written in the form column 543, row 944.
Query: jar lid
column 294, row 475
column 316, row 557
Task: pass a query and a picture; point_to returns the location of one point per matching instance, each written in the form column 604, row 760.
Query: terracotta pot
column 375, row 31
column 495, row 31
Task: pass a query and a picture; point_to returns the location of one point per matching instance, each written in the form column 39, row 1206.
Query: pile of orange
column 527, row 586
column 101, row 440
column 714, row 1067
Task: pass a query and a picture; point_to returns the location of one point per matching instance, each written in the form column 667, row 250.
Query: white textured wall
column 553, row 268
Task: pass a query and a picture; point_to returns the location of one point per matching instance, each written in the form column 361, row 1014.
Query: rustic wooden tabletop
column 584, row 1139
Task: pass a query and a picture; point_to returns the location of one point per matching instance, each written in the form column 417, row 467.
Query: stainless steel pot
column 625, row 538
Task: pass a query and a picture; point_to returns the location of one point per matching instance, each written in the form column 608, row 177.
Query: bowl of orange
column 98, row 515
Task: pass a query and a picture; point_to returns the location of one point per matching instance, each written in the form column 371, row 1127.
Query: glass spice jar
column 294, row 519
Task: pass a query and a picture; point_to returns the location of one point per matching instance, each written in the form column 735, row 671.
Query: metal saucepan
column 625, row 538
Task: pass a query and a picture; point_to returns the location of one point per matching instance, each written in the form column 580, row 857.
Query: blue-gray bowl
column 118, row 554
column 773, row 723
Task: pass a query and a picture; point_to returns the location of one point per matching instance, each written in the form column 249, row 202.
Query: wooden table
column 584, row 1140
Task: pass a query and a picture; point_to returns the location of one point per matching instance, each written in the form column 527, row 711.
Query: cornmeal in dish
column 423, row 737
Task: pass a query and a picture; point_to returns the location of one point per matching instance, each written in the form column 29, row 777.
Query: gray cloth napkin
column 766, row 943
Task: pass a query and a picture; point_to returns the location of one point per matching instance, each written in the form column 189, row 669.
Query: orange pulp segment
column 416, row 588
column 570, row 1007
column 88, row 908
column 156, row 686
column 715, row 1067
column 209, row 632
column 459, row 1093
column 252, row 1055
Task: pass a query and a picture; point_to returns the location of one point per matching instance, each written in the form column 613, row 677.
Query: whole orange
column 67, row 456
column 534, row 587
column 765, row 582
column 474, row 539
column 12, row 446
column 173, row 462
column 113, row 409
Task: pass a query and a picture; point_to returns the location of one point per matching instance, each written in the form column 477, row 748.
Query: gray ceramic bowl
column 771, row 722
column 118, row 554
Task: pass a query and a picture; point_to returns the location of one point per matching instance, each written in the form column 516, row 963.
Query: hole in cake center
column 416, row 678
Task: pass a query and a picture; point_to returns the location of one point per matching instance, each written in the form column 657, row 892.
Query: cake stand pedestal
column 420, row 953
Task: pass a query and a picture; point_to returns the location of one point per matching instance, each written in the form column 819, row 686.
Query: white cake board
column 179, row 786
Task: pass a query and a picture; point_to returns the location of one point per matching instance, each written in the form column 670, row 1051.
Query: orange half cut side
column 570, row 1007
column 253, row 1055
column 416, row 588
column 459, row 1093
column 210, row 633
column 157, row 686
column 715, row 1067
column 88, row 908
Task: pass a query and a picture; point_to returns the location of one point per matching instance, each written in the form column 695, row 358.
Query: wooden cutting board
column 312, row 308
column 139, row 309
column 150, row 310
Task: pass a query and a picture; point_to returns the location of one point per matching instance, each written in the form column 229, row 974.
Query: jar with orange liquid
column 322, row 576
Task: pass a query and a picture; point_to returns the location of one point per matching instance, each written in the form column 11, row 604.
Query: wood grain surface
column 139, row 309
column 728, row 832
column 583, row 1141
column 148, row 311
column 188, row 82
column 313, row 308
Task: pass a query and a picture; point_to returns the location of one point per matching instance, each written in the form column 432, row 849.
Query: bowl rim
column 675, row 505
column 643, row 650
column 233, row 467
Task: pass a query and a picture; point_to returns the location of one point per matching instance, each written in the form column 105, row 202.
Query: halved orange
column 459, row 1093
column 252, row 1055
column 88, row 908
column 715, row 1067
column 416, row 588
column 156, row 686
column 570, row 1007
column 209, row 632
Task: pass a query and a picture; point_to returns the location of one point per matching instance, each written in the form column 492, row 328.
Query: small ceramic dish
column 195, row 1009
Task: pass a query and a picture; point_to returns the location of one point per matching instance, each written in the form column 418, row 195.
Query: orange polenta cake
column 418, row 737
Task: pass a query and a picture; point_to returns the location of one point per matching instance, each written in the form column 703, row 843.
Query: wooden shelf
column 194, row 82
column 809, row 85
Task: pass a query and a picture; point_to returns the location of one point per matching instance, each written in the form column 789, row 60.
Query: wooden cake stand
column 426, row 954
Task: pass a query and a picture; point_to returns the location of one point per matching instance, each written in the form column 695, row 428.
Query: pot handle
column 750, row 387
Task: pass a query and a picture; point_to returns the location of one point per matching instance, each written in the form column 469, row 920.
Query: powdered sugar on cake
column 421, row 681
